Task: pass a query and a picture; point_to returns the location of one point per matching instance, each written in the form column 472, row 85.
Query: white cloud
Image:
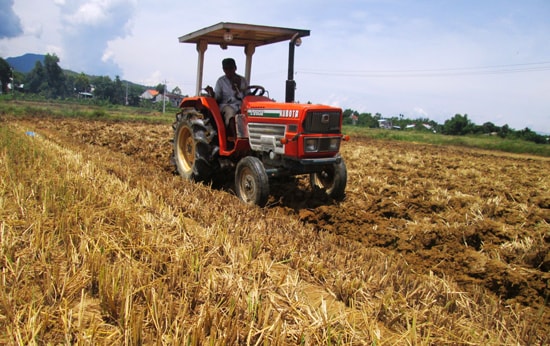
column 88, row 26
column 92, row 13
column 107, row 55
column 419, row 112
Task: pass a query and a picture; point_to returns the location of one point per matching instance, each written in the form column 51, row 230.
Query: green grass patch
column 84, row 110
column 480, row 141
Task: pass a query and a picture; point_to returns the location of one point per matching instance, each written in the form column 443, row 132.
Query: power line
column 440, row 72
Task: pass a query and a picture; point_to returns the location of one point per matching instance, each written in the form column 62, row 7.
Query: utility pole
column 12, row 84
column 164, row 97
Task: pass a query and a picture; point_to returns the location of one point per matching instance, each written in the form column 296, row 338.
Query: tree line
column 458, row 125
column 50, row 81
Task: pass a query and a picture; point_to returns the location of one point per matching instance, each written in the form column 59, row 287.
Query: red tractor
column 274, row 139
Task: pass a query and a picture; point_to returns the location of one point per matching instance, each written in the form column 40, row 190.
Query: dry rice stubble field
column 473, row 218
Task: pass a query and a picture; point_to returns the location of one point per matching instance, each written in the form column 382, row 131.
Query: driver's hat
column 229, row 63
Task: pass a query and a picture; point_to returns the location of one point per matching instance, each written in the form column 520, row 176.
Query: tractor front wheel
column 332, row 180
column 251, row 181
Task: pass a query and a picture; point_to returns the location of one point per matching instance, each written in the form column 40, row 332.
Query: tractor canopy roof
column 244, row 35
column 236, row 34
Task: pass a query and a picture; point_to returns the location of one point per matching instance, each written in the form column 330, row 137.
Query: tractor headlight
column 311, row 144
column 334, row 144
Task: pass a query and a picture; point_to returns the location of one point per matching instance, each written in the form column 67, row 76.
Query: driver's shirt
column 228, row 93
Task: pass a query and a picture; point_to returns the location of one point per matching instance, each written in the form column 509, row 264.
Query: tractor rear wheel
column 194, row 146
column 251, row 181
column 332, row 180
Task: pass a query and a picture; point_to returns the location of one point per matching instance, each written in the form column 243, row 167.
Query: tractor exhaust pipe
column 290, row 90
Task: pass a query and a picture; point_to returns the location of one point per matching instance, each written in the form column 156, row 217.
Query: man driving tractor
column 229, row 93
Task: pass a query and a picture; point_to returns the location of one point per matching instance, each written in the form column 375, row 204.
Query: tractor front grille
column 266, row 137
column 322, row 122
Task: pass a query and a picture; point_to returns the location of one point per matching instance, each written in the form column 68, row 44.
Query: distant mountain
column 25, row 63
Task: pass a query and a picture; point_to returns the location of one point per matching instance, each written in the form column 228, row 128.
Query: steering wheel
column 255, row 90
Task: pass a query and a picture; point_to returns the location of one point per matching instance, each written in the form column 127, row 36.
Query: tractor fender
column 201, row 102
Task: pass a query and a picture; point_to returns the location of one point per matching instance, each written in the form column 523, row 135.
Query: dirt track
column 478, row 218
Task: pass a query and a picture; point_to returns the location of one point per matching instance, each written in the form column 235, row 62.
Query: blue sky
column 488, row 59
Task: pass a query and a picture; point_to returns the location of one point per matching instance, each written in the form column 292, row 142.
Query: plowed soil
column 478, row 218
